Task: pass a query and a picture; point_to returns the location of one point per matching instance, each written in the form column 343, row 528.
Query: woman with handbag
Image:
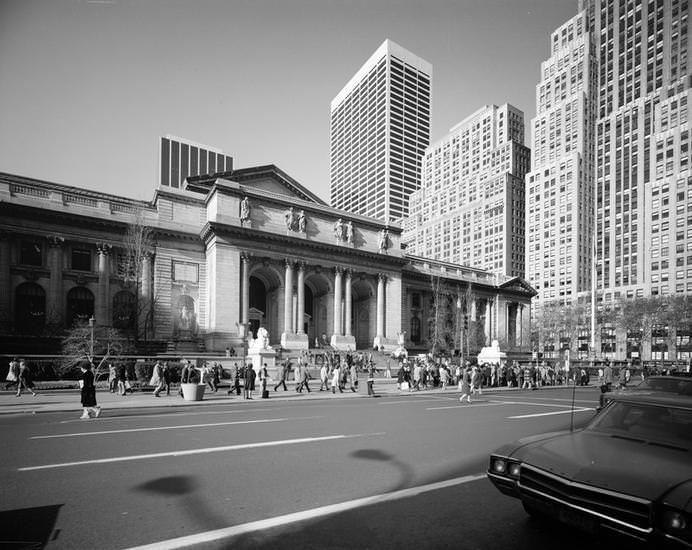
column 88, row 392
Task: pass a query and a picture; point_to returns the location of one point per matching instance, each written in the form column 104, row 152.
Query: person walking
column 324, row 377
column 304, row 377
column 24, row 379
column 465, row 385
column 12, row 377
column 112, row 378
column 249, row 381
column 608, row 376
column 166, row 370
column 371, row 380
column 354, row 377
column 157, row 379
column 476, row 381
column 263, row 375
column 283, row 373
column 336, row 375
column 88, row 392
column 122, row 379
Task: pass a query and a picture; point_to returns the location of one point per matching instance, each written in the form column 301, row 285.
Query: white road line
column 180, row 427
column 398, row 402
column 305, row 515
column 536, row 404
column 550, row 413
column 468, row 406
column 162, row 415
column 197, row 451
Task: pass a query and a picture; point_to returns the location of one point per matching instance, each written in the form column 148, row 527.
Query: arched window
column 415, row 330
column 124, row 310
column 30, row 308
column 80, row 305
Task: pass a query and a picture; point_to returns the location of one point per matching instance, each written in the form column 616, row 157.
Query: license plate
column 577, row 519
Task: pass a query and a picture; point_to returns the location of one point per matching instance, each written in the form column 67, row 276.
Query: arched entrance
column 29, row 308
column 80, row 305
column 263, row 306
column 364, row 311
column 318, row 295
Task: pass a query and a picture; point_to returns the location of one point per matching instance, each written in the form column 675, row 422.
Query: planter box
column 193, row 392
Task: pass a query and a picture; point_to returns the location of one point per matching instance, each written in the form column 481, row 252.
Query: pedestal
column 294, row 342
column 491, row 354
column 193, row 392
column 385, row 344
column 343, row 343
column 260, row 357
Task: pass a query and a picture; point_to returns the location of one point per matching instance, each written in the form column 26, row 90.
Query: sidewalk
column 56, row 400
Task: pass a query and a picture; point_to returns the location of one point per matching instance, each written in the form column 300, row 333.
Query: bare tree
column 442, row 334
column 139, row 243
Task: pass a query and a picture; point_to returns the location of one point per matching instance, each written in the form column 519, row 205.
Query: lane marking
column 305, row 515
column 162, row 415
column 197, row 451
column 208, row 425
column 537, row 404
column 468, row 406
column 579, row 410
column 398, row 402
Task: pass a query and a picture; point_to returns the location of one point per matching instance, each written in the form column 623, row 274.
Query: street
column 402, row 471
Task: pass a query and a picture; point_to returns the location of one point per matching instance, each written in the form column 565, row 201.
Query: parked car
column 628, row 472
column 677, row 384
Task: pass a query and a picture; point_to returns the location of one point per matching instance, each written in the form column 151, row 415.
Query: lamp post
column 91, row 346
column 461, row 333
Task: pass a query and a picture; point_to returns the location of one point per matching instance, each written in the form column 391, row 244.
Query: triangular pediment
column 518, row 284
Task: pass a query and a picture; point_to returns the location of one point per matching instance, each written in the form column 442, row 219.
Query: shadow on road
column 28, row 528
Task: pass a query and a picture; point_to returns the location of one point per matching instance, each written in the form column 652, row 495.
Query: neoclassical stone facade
column 229, row 253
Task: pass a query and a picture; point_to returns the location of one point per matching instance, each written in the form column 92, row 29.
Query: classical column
column 103, row 294
column 338, row 272
column 381, row 279
column 288, row 297
column 5, row 281
column 55, row 310
column 519, row 325
column 347, row 303
column 245, row 288
column 301, row 298
column 488, row 321
column 146, row 291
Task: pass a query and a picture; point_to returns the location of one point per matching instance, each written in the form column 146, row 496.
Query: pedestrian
column 263, row 375
column 24, row 379
column 624, row 376
column 88, row 392
column 476, row 381
column 12, row 377
column 167, row 377
column 608, row 376
column 235, row 378
column 335, row 379
column 304, row 377
column 465, row 385
column 157, row 379
column 283, row 373
column 249, row 381
column 112, row 378
column 216, row 376
column 371, row 380
column 354, row 377
column 122, row 380
column 324, row 377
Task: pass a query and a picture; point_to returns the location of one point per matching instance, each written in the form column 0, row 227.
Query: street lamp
column 91, row 347
column 461, row 333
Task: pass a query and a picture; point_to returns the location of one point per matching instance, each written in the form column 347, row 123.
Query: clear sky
column 87, row 86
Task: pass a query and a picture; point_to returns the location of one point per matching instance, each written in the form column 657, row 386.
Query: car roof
column 665, row 399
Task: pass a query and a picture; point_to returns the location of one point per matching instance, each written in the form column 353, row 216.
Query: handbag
column 404, row 386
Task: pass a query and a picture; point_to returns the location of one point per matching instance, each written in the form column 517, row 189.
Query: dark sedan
column 628, row 472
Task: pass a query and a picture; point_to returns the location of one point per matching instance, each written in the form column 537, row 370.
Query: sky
column 88, row 86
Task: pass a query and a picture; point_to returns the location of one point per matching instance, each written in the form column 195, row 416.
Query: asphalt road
column 401, row 472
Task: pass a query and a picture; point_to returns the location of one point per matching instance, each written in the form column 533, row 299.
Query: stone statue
column 384, row 240
column 339, row 230
column 262, row 340
column 349, row 232
column 290, row 219
column 301, row 221
column 245, row 210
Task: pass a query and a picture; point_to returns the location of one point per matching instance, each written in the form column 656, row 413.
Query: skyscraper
column 380, row 126
column 470, row 208
column 559, row 188
column 180, row 158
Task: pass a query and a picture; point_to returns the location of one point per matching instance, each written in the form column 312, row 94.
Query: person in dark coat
column 88, row 392
column 249, row 381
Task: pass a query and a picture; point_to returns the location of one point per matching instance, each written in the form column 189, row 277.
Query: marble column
column 102, row 309
column 55, row 305
column 488, row 322
column 245, row 289
column 301, row 298
column 338, row 272
column 5, row 281
column 381, row 280
column 519, row 325
column 288, row 298
column 347, row 303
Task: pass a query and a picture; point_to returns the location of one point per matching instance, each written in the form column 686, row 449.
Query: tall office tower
column 643, row 179
column 181, row 158
column 559, row 188
column 470, row 208
column 380, row 126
